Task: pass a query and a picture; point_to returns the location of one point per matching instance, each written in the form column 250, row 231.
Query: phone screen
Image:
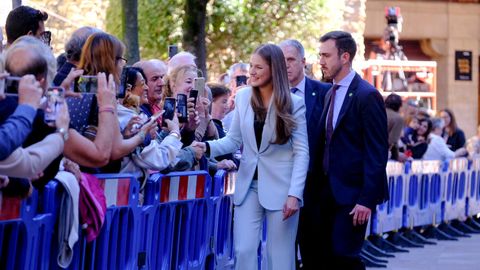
column 86, row 84
column 199, row 84
column 9, row 85
column 172, row 51
column 182, row 108
column 169, row 108
column 241, row 80
column 55, row 99
column 194, row 94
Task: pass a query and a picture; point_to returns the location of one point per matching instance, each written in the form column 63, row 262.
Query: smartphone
column 86, row 84
column 122, row 89
column 55, row 99
column 182, row 108
column 241, row 80
column 194, row 94
column 46, row 37
column 9, row 85
column 172, row 50
column 169, row 110
column 199, row 85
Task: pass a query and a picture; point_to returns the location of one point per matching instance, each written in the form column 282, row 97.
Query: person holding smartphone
column 198, row 127
column 270, row 123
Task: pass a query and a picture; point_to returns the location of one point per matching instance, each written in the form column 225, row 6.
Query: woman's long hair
column 452, row 126
column 101, row 53
column 285, row 123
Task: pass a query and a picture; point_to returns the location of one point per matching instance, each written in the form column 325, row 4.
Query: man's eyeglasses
column 46, row 37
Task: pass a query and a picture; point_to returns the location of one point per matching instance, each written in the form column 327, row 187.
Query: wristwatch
column 64, row 133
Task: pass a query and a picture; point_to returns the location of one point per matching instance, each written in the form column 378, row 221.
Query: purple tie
column 329, row 131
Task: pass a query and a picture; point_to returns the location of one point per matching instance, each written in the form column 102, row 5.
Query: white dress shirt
column 340, row 94
column 301, row 88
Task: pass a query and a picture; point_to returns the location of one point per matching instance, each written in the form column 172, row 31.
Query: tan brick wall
column 448, row 27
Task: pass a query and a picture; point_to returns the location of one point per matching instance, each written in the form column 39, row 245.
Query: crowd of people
column 295, row 141
column 413, row 133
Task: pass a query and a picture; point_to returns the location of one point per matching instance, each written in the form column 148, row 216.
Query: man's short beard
column 334, row 74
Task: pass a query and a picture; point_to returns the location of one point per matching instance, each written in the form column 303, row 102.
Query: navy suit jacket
column 358, row 147
column 315, row 92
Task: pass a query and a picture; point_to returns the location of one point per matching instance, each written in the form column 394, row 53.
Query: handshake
column 199, row 148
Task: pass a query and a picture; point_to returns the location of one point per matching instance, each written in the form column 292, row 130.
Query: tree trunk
column 194, row 32
column 130, row 29
column 16, row 3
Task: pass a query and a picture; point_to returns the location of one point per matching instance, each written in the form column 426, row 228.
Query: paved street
column 446, row 255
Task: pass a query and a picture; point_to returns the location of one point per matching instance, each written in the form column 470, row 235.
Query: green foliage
column 234, row 27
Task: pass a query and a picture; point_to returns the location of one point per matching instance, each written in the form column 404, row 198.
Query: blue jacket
column 15, row 129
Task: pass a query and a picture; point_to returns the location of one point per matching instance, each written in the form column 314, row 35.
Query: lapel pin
column 313, row 94
column 350, row 94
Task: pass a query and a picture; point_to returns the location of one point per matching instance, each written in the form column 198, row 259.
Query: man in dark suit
column 348, row 177
column 312, row 91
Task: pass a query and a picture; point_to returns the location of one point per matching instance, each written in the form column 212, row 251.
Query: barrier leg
column 413, row 235
column 371, row 261
column 472, row 223
column 381, row 243
column 398, row 239
column 434, row 232
column 463, row 227
column 446, row 227
column 372, row 249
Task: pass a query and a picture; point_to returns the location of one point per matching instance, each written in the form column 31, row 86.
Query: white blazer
column 282, row 169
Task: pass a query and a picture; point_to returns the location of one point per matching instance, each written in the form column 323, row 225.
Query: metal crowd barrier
column 186, row 219
column 428, row 199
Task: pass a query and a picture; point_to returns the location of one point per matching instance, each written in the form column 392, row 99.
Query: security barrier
column 389, row 215
column 181, row 233
column 186, row 219
column 224, row 186
column 18, row 232
column 473, row 200
column 456, row 189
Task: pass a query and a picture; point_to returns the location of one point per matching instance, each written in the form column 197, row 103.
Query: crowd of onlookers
column 414, row 133
column 114, row 126
column 107, row 131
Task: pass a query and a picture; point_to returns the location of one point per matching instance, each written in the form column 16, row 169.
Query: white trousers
column 247, row 229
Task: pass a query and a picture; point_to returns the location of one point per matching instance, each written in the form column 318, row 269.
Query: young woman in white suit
column 270, row 123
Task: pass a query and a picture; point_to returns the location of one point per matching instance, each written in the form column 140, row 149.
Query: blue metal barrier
column 186, row 221
column 18, row 232
column 413, row 195
column 424, row 195
column 50, row 198
column 224, row 186
column 185, row 214
column 116, row 245
column 388, row 216
column 473, row 203
column 456, row 189
column 432, row 172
